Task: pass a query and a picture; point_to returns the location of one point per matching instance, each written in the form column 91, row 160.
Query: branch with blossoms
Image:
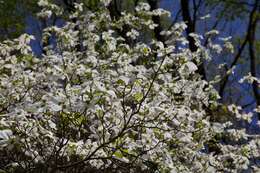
column 113, row 105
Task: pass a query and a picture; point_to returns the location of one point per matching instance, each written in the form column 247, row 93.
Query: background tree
column 13, row 17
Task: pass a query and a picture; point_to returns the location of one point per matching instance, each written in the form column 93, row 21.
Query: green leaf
column 125, row 150
column 138, row 96
column 120, row 82
column 118, row 154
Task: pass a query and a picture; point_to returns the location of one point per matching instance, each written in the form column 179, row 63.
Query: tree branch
column 224, row 80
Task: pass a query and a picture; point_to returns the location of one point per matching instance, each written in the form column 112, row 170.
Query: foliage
column 13, row 16
column 93, row 109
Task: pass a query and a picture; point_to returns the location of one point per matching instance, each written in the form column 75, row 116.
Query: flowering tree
column 97, row 102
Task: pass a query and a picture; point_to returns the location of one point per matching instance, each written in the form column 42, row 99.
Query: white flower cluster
column 92, row 109
column 249, row 79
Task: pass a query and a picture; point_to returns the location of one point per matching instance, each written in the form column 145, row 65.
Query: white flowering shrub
column 114, row 106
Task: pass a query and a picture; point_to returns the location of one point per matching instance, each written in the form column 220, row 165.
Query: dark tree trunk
column 253, row 57
column 157, row 20
column 191, row 29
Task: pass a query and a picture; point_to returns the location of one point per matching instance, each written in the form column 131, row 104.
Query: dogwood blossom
column 113, row 105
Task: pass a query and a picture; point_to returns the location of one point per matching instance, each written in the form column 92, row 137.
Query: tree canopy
column 116, row 91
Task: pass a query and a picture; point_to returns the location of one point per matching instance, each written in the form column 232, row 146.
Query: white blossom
column 114, row 104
